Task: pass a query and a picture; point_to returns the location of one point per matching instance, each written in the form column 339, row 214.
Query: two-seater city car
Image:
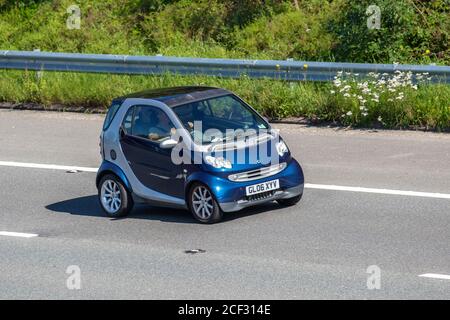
column 199, row 148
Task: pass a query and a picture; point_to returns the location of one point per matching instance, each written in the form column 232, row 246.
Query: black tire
column 290, row 201
column 126, row 201
column 213, row 207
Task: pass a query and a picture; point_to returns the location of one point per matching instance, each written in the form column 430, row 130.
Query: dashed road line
column 435, row 276
column 18, row 234
column 379, row 191
column 46, row 166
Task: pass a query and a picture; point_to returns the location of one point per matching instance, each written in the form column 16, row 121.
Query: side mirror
column 122, row 132
column 168, row 144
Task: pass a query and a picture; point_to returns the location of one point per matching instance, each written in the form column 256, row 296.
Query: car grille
column 258, row 173
column 234, row 145
column 260, row 196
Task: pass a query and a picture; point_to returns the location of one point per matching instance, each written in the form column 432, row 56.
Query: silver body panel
column 111, row 141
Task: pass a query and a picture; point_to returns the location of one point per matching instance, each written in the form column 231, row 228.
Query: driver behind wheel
column 162, row 128
column 152, row 124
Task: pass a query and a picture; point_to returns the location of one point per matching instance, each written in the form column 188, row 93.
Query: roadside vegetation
column 349, row 103
column 412, row 31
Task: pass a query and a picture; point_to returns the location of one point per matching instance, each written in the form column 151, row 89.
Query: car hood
column 253, row 153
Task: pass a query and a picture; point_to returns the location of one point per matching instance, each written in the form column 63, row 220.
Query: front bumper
column 231, row 195
column 279, row 194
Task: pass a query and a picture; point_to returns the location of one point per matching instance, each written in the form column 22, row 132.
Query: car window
column 151, row 123
column 110, row 115
column 195, row 110
column 220, row 114
column 229, row 108
column 184, row 113
column 127, row 121
column 203, row 107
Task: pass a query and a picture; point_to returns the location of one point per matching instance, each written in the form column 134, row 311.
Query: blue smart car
column 199, row 148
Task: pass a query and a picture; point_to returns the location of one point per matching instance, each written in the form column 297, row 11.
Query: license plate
column 262, row 187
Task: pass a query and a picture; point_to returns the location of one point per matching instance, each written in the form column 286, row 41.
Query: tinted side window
column 110, row 115
column 151, row 123
column 127, row 121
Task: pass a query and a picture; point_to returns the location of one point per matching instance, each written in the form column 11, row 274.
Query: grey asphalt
column 319, row 249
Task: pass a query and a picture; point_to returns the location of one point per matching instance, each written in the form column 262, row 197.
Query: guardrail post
column 40, row 72
column 291, row 83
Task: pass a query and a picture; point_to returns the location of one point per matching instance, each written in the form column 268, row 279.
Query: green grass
column 427, row 107
column 412, row 31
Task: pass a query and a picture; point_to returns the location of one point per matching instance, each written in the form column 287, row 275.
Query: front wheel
column 203, row 205
column 114, row 198
column 290, row 201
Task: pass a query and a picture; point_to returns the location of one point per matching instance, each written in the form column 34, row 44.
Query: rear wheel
column 114, row 198
column 290, row 201
column 203, row 205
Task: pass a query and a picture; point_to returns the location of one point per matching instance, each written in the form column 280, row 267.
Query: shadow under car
column 89, row 206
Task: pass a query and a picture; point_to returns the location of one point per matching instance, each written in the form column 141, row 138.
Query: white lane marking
column 381, row 191
column 46, row 166
column 435, row 276
column 307, row 185
column 18, row 234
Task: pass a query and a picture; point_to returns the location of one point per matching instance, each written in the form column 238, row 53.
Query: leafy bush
column 43, row 26
column 293, row 34
column 409, row 31
column 412, row 31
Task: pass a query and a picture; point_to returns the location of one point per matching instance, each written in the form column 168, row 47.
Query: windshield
column 218, row 119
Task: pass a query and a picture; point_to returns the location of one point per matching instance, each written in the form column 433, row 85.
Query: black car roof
column 177, row 95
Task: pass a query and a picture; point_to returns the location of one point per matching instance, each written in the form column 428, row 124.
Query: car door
column 150, row 163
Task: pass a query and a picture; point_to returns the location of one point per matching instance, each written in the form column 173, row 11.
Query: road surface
column 373, row 198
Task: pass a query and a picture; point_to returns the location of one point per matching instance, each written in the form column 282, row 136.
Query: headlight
column 219, row 162
column 281, row 148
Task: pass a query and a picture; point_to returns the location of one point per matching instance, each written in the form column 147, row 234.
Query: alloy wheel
column 202, row 202
column 110, row 196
